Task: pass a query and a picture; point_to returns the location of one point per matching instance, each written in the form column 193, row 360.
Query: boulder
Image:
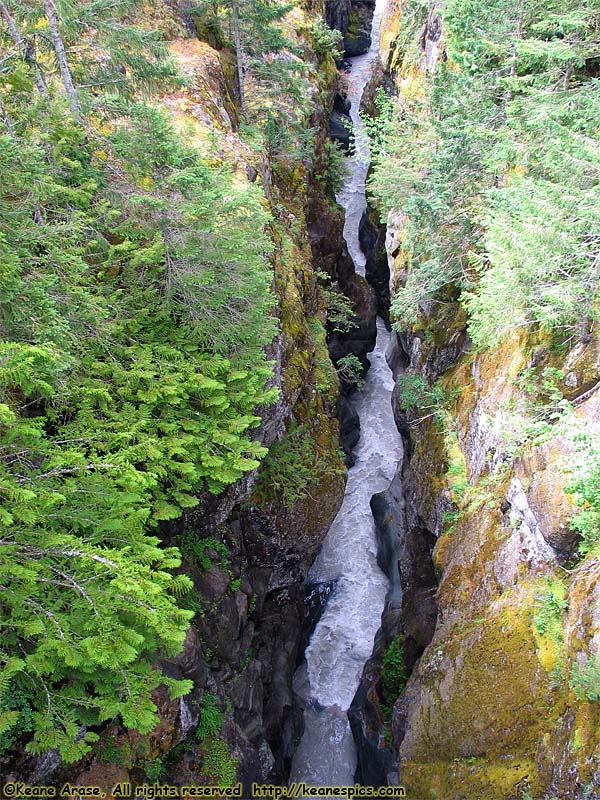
column 357, row 38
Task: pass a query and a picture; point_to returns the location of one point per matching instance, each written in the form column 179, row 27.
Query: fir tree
column 267, row 59
column 134, row 310
column 502, row 189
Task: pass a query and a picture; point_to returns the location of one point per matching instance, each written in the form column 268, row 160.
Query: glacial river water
column 343, row 639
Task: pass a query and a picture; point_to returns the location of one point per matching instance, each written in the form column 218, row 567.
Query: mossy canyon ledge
column 477, row 541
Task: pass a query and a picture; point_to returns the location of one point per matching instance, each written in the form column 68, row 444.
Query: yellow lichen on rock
column 484, row 706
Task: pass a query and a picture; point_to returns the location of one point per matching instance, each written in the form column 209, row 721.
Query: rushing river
column 343, row 639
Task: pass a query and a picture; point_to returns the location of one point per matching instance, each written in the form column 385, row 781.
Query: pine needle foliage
column 274, row 93
column 497, row 166
column 135, row 304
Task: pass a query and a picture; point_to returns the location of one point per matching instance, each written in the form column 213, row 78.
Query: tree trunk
column 239, row 50
column 6, row 119
column 61, row 57
column 26, row 50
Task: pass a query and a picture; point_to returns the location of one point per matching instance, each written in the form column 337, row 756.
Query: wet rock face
column 279, row 649
column 325, row 224
column 397, row 360
column 377, row 272
column 514, row 730
column 349, row 429
column 340, row 125
column 360, row 339
column 404, row 553
column 337, row 14
column 353, row 19
column 375, row 759
column 431, row 362
column 316, row 596
column 283, row 543
column 357, row 37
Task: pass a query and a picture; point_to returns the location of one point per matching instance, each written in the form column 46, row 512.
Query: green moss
column 219, row 767
column 456, row 472
column 550, row 605
column 324, row 376
column 484, row 779
column 493, row 701
column 292, row 468
column 353, row 23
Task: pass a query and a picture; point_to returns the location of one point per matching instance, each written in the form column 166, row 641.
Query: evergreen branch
column 66, row 471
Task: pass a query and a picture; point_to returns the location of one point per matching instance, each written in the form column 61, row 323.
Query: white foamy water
column 352, row 196
column 343, row 639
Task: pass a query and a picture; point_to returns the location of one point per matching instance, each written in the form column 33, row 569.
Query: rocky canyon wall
column 493, row 707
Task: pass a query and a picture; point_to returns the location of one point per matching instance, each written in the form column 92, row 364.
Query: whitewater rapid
column 343, row 639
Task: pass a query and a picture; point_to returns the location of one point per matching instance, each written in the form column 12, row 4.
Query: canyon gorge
column 389, row 563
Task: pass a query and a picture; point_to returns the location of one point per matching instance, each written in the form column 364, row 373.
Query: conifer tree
column 134, row 311
column 265, row 56
column 61, row 56
column 502, row 190
column 103, row 52
column 240, row 55
column 26, row 48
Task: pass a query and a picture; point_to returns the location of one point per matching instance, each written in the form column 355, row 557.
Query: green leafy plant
column 111, row 752
column 549, row 609
column 135, row 300
column 585, row 680
column 203, row 550
column 16, row 714
column 340, row 311
column 218, row 765
column 291, row 468
column 423, row 401
column 537, row 412
column 334, row 172
column 326, row 41
column 252, row 605
column 394, row 677
column 350, row 371
column 585, row 488
column 154, row 769
column 211, row 717
column 394, row 670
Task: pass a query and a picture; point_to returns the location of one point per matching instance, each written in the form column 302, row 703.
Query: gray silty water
column 343, row 639
column 352, row 196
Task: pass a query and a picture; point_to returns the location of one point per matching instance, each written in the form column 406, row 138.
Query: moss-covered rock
column 483, row 704
column 357, row 38
column 503, row 702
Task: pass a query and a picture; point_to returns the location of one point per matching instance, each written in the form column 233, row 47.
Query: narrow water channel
column 343, row 639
